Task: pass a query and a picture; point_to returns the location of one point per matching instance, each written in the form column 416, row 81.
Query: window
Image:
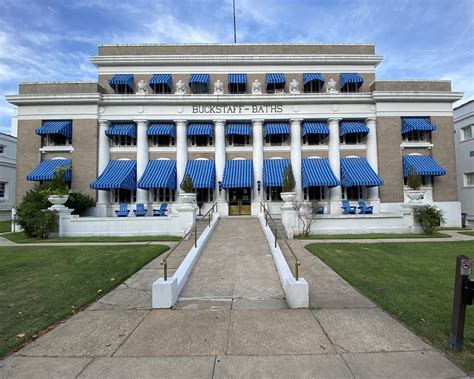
column 353, row 193
column 350, row 87
column 238, row 140
column 273, row 193
column 276, row 139
column 426, row 181
column 467, row 132
column 3, row 190
column 469, row 179
column 353, row 139
column 276, row 88
column 201, row 140
column 123, row 89
column 237, row 88
column 123, row 141
column 204, row 195
column 417, row 136
column 199, row 88
column 2, row 149
column 162, row 141
column 56, row 140
column 315, row 193
column 124, row 196
column 313, row 86
column 315, row 139
column 161, row 88
column 161, row 195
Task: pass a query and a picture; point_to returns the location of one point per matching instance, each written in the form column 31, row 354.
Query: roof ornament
column 142, row 88
column 256, row 88
column 294, row 87
column 180, row 88
column 218, row 87
column 331, row 86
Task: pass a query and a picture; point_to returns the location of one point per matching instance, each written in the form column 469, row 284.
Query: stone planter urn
column 58, row 199
column 415, row 196
column 288, row 197
column 187, row 197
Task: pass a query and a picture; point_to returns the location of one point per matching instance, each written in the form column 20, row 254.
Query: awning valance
column 357, row 172
column 317, row 172
column 346, row 78
column 315, row 127
column 161, row 129
column 199, row 78
column 202, row 173
column 238, row 173
column 200, row 129
column 312, row 76
column 161, row 79
column 237, row 78
column 416, row 123
column 122, row 129
column 276, row 128
column 275, row 78
column 118, row 174
column 273, row 171
column 422, row 165
column 47, row 168
column 125, row 79
column 63, row 128
column 348, row 127
column 242, row 129
column 160, row 173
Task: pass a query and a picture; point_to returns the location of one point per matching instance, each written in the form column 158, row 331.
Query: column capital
column 180, row 121
column 104, row 123
column 141, row 122
column 258, row 119
column 220, row 120
column 334, row 119
column 292, row 120
column 370, row 119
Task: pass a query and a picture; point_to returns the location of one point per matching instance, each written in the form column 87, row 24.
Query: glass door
column 239, row 201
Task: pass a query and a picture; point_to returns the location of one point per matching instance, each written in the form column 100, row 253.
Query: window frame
column 350, row 87
column 237, row 88
column 3, row 191
column 361, row 192
column 204, row 195
column 163, row 195
column 195, row 138
column 471, row 131
column 160, row 89
column 123, row 89
column 158, row 141
column 466, row 183
column 313, row 86
column 285, row 138
column 3, row 149
column 308, row 196
column 361, row 139
column 231, row 140
column 122, row 141
column 417, row 136
column 120, row 193
column 272, row 194
column 323, row 139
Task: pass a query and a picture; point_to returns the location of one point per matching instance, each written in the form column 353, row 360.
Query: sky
column 52, row 40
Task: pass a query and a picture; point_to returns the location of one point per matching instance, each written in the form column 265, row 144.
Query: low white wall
column 165, row 293
column 296, row 291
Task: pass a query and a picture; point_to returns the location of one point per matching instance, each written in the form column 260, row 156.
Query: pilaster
column 181, row 150
column 335, row 193
column 219, row 157
column 257, row 135
column 142, row 157
column 295, row 129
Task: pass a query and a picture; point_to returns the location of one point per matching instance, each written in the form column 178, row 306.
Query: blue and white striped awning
column 161, row 129
column 348, row 127
column 122, row 129
column 160, row 173
column 273, row 171
column 161, row 79
column 422, row 165
column 315, row 127
column 202, row 173
column 242, row 129
column 238, row 173
column 350, row 78
column 357, row 172
column 47, row 168
column 317, row 172
column 200, row 129
column 199, row 78
column 312, row 76
column 120, row 173
column 276, row 128
column 416, row 123
column 275, row 78
column 63, row 128
column 237, row 78
column 126, row 79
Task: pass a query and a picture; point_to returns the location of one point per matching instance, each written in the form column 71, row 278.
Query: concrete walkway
column 235, row 328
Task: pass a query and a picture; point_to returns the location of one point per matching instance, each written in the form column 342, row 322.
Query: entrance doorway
column 239, row 201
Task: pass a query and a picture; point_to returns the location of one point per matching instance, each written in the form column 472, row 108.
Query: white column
column 296, row 156
column 219, row 157
column 372, row 192
column 142, row 157
column 181, row 150
column 257, row 135
column 104, row 158
column 335, row 193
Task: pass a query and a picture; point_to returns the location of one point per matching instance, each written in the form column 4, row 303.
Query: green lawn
column 40, row 286
column 5, row 226
column 21, row 238
column 369, row 236
column 414, row 282
column 470, row 233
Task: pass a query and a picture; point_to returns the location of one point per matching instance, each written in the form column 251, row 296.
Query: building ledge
column 49, row 149
column 409, row 145
column 416, row 96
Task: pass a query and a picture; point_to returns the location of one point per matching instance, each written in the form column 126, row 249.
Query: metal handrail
column 267, row 215
column 164, row 261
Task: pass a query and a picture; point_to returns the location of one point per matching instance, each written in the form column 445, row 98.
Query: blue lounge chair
column 364, row 209
column 162, row 211
column 140, row 211
column 348, row 209
column 123, row 210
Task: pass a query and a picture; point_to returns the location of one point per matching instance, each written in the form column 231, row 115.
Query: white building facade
column 7, row 175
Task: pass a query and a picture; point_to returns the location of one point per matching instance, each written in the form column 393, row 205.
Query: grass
column 40, row 286
column 5, row 226
column 369, row 236
column 414, row 282
column 471, row 233
column 20, row 237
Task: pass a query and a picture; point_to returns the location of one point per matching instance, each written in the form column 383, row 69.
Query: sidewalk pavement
column 222, row 332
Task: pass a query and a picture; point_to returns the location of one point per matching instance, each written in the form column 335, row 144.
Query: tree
column 288, row 179
column 428, row 217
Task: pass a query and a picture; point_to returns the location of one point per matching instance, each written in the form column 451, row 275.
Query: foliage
column 32, row 203
column 288, row 180
column 429, row 217
column 187, row 184
column 43, row 223
column 305, row 214
column 414, row 180
column 79, row 202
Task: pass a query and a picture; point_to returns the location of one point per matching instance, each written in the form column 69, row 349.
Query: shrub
column 288, row 180
column 414, row 180
column 44, row 222
column 79, row 202
column 428, row 217
column 187, row 184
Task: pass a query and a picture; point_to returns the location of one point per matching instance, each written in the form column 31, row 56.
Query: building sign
column 237, row 109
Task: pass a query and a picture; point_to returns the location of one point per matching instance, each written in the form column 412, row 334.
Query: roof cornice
column 406, row 96
column 83, row 98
